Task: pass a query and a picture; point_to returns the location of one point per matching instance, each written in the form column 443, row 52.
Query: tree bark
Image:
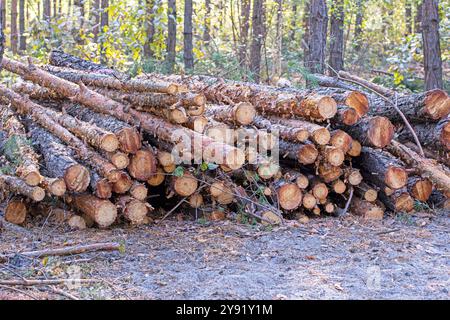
column 258, row 37
column 305, row 153
column 17, row 186
column 171, row 36
column 431, row 45
column 150, row 8
column 241, row 113
column 22, row 37
column 358, row 23
column 14, row 33
column 207, row 23
column 103, row 212
column 132, row 210
column 188, row 53
column 104, row 25
column 336, row 58
column 95, row 12
column 408, row 17
column 317, row 38
column 243, row 32
column 278, row 41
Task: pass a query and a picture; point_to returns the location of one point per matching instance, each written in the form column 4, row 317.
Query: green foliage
column 178, row 172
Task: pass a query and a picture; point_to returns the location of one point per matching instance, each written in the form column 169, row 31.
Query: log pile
column 114, row 149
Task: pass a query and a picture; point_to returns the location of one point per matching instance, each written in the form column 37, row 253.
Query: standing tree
column 258, row 34
column 408, row 16
column 3, row 13
column 95, row 12
column 14, row 35
column 188, row 50
column 358, row 23
column 243, row 32
column 172, row 35
column 418, row 18
column 207, row 30
column 305, row 23
column 47, row 12
column 317, row 38
column 22, row 37
column 104, row 24
column 278, row 40
column 336, row 59
column 2, row 36
column 150, row 9
column 431, row 45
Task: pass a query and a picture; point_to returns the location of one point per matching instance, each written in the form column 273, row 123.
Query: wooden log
column 420, row 188
column 397, row 200
column 76, row 222
column 318, row 134
column 132, row 209
column 118, row 158
column 185, row 185
column 123, row 183
column 371, row 131
column 346, row 115
column 341, row 139
column 157, row 178
column 54, row 186
column 26, row 106
column 293, row 134
column 432, row 105
column 289, row 195
column 59, row 160
column 383, row 169
column 20, row 151
column 353, row 176
column 333, row 155
column 366, row 192
column 366, row 209
column 355, row 149
column 142, row 165
column 139, row 191
column 309, row 201
column 438, row 155
column 353, row 99
column 197, row 123
column 305, row 153
column 241, row 113
column 339, row 186
column 16, row 210
column 103, row 212
column 435, row 136
column 101, row 187
column 196, row 200
column 17, row 186
column 221, row 192
column 329, row 173
column 428, row 168
column 232, row 157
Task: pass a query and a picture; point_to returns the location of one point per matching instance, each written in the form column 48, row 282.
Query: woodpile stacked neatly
column 108, row 146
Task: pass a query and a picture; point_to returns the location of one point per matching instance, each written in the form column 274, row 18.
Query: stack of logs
column 79, row 134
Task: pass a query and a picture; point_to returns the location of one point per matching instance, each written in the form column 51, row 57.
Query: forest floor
column 402, row 257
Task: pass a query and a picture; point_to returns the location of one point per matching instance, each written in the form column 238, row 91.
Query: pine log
column 35, row 91
column 318, row 134
column 420, row 188
column 293, row 134
column 54, row 186
column 103, row 212
column 21, row 153
column 435, row 136
column 289, row 195
column 101, row 187
column 333, row 155
column 76, row 222
column 432, row 105
column 228, row 155
column 438, row 155
column 132, row 209
column 341, row 139
column 123, row 183
column 221, row 192
column 355, row 149
column 329, row 173
column 139, row 191
column 305, row 153
column 196, row 200
column 371, row 131
column 366, row 209
column 383, row 169
column 118, row 158
column 309, row 201
column 339, row 186
column 17, row 186
column 428, row 168
column 16, row 211
column 142, row 165
column 241, row 113
column 353, row 99
column 59, row 161
column 366, row 192
column 185, row 185
column 197, row 123
column 157, row 178
column 346, row 115
column 397, row 200
column 353, row 176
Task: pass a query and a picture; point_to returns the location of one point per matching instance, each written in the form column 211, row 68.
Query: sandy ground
column 402, row 257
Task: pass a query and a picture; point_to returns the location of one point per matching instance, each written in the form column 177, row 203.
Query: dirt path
column 402, row 257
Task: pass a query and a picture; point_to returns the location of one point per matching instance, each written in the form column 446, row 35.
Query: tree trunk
column 59, row 161
column 305, row 153
column 358, row 24
column 104, row 24
column 431, row 45
column 103, row 212
column 293, row 26
column 317, row 38
column 241, row 113
column 150, row 9
column 22, row 37
column 336, row 59
column 47, row 12
column 305, row 24
column 132, row 209
column 95, row 12
column 278, row 41
column 408, row 17
column 258, row 36
column 188, row 53
column 243, row 32
column 14, row 33
column 19, row 187
column 171, row 36
column 418, row 18
column 207, row 23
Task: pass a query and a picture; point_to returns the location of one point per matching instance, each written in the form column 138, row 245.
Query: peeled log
column 428, row 168
column 142, row 165
column 103, row 212
column 435, row 136
column 241, row 113
column 24, row 154
column 17, row 186
column 16, row 211
column 431, row 105
column 420, row 188
column 371, row 131
column 59, row 161
column 383, row 169
column 132, row 209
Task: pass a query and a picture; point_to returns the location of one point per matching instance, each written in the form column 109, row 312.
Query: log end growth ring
column 381, row 132
column 290, row 196
column 395, row 177
column 77, row 178
column 437, row 104
column 327, row 107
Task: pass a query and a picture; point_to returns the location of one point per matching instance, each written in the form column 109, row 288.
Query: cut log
column 139, row 191
column 101, row 187
column 76, row 222
column 366, row 192
column 341, row 139
column 20, row 151
column 241, row 113
column 17, row 186
column 132, row 209
column 397, row 200
column 309, row 201
column 436, row 173
column 289, row 195
column 383, row 169
column 196, row 200
column 197, row 123
column 157, row 178
column 16, row 211
column 103, row 212
column 420, row 188
column 439, row 156
column 431, row 135
column 305, row 153
column 366, row 209
column 123, row 183
column 54, row 186
column 319, row 135
column 353, row 176
column 339, row 186
column 346, row 115
column 355, row 149
column 119, row 159
column 221, row 192
column 142, row 165
column 371, row 131
column 287, row 133
column 431, row 105
column 320, row 190
column 59, row 160
column 333, row 155
column 329, row 173
column 185, row 185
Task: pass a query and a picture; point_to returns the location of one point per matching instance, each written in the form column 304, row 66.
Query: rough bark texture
column 187, row 32
column 336, row 59
column 305, row 153
column 14, row 33
column 366, row 209
column 258, row 38
column 150, row 8
column 431, row 45
column 58, row 159
column 241, row 113
column 103, row 212
column 22, row 37
column 101, row 187
column 172, row 35
column 371, row 131
column 317, row 37
column 17, row 186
